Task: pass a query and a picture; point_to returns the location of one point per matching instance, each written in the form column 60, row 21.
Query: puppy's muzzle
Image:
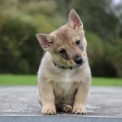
column 79, row 60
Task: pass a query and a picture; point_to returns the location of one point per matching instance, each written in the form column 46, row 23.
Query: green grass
column 32, row 80
column 18, row 79
column 97, row 81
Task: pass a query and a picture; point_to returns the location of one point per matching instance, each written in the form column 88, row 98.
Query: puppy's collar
column 63, row 67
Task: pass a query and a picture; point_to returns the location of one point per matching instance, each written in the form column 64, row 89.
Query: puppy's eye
column 62, row 51
column 78, row 42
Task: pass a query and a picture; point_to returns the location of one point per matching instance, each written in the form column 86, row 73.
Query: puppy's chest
column 65, row 85
column 68, row 77
column 63, row 89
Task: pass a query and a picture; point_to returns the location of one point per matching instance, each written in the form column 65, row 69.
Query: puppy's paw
column 67, row 108
column 48, row 111
column 79, row 110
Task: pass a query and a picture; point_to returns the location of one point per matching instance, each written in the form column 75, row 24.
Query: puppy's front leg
column 81, row 98
column 47, row 97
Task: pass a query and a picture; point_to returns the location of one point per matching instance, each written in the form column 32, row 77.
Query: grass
column 15, row 80
column 106, row 81
column 31, row 80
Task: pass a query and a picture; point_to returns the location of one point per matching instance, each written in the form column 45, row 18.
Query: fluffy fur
column 64, row 89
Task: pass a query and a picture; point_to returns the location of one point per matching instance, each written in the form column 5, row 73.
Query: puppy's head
column 67, row 45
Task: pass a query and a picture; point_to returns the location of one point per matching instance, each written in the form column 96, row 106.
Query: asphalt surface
column 19, row 101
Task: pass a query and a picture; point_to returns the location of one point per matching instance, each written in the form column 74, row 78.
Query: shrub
column 19, row 49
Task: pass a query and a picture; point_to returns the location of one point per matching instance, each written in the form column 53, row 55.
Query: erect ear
column 44, row 41
column 74, row 20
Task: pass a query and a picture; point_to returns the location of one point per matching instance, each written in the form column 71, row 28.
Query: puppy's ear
column 74, row 20
column 44, row 41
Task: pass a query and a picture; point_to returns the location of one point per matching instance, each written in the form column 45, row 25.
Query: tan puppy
column 64, row 75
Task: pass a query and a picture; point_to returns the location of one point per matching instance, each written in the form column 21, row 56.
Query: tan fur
column 64, row 88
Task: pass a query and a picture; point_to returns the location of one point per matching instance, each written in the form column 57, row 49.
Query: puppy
column 64, row 76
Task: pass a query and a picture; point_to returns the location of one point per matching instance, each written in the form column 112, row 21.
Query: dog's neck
column 64, row 67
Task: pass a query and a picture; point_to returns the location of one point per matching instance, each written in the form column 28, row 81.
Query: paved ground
column 103, row 101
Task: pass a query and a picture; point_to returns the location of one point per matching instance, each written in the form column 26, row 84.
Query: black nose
column 78, row 60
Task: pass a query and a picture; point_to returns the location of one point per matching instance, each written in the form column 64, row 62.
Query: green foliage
column 117, row 54
column 39, row 7
column 95, row 47
column 18, row 44
column 41, row 23
column 20, row 20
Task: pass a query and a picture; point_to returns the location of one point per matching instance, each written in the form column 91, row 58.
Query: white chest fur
column 66, row 83
column 68, row 76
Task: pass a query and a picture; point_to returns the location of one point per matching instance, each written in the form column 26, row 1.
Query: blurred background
column 20, row 52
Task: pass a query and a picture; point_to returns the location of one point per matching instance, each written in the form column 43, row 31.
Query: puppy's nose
column 78, row 60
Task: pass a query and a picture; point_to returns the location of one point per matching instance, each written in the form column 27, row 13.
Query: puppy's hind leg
column 66, row 108
column 60, row 107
